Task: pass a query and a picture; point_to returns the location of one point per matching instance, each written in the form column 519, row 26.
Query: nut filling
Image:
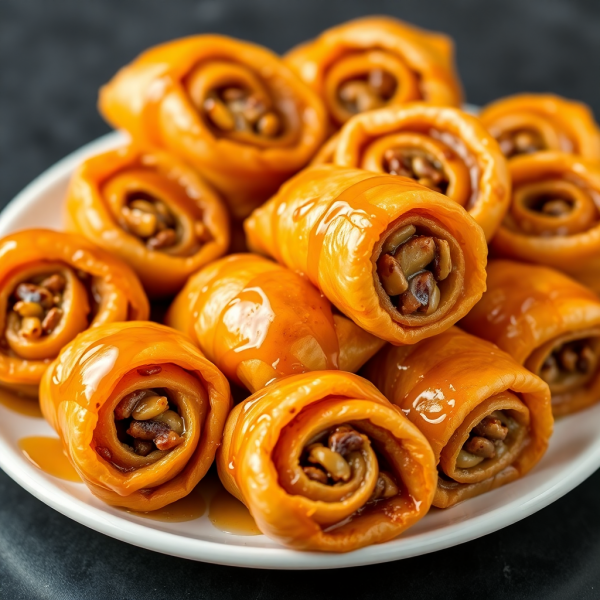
column 153, row 222
column 417, row 165
column 551, row 205
column 36, row 308
column 570, row 366
column 410, row 267
column 147, row 421
column 328, row 461
column 520, row 141
column 487, row 440
column 236, row 109
column 372, row 91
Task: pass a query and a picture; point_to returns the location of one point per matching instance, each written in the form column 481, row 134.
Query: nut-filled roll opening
column 550, row 323
column 54, row 286
column 231, row 109
column 529, row 123
column 324, row 462
column 403, row 262
column 554, row 216
column 440, row 147
column 487, row 426
column 374, row 62
column 140, row 412
column 150, row 209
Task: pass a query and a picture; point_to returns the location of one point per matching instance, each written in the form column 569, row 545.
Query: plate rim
column 32, row 480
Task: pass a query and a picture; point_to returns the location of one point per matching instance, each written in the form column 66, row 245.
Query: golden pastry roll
column 443, row 148
column 53, row 286
column 324, row 462
column 151, row 210
column 554, row 216
column 528, row 123
column 258, row 322
column 487, row 418
column 373, row 62
column 140, row 412
column 231, row 109
column 400, row 260
column 547, row 322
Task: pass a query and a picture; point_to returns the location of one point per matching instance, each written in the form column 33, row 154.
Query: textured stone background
column 54, row 54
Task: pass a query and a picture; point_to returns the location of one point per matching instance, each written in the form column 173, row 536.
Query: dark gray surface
column 54, row 54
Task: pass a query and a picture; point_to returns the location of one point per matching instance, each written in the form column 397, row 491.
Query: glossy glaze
column 92, row 372
column 48, row 454
column 436, row 386
column 465, row 151
column 563, row 125
column 258, row 321
column 151, row 99
column 329, row 222
column 259, row 458
column 113, row 294
column 420, row 62
column 101, row 187
column 545, row 306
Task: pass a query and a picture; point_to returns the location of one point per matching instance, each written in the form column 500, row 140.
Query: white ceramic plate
column 574, row 454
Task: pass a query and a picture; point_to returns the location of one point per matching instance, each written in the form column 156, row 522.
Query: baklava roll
column 547, row 322
column 443, row 148
column 140, row 411
column 258, row 322
column 487, row 418
column 151, row 210
column 377, row 61
column 554, row 216
column 324, row 462
column 528, row 123
column 402, row 261
column 231, row 109
column 53, row 286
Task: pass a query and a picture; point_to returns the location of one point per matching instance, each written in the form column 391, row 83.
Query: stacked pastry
column 369, row 200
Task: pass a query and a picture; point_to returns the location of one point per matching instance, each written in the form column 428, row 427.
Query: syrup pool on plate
column 48, row 455
column 230, row 516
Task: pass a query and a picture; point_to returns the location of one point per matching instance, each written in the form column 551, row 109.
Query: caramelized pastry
column 554, row 216
column 140, row 412
column 487, row 418
column 231, row 109
column 548, row 323
column 529, row 123
column 151, row 210
column 374, row 62
column 402, row 261
column 258, row 322
column 443, row 148
column 324, row 462
column 54, row 286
